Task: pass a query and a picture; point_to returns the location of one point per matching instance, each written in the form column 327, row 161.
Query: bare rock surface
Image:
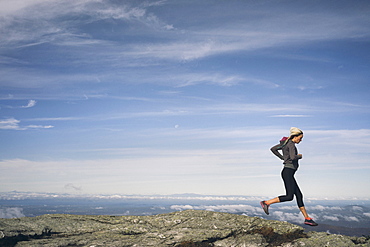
column 180, row 229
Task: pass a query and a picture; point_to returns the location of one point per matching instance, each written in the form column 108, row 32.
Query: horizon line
column 55, row 195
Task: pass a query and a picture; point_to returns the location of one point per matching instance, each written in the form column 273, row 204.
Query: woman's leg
column 288, row 178
column 298, row 194
column 292, row 189
column 272, row 201
column 307, row 219
column 304, row 212
column 290, row 185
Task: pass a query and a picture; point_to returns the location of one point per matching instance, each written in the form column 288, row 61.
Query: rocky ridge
column 178, row 229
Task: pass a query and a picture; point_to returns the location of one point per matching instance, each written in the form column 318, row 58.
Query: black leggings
column 291, row 187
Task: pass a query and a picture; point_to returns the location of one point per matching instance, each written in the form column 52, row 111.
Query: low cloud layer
column 9, row 213
column 328, row 214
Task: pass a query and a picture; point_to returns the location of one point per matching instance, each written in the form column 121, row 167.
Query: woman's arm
column 293, row 152
column 275, row 150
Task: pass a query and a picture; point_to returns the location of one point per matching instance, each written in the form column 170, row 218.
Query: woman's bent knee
column 290, row 198
column 286, row 198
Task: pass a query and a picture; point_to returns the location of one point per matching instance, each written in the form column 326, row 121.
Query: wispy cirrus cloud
column 161, row 41
column 39, row 127
column 57, row 119
column 14, row 124
column 31, row 103
column 290, row 116
column 54, row 21
column 207, row 107
column 272, row 29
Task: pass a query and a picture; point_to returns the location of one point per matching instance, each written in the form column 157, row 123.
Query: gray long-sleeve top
column 290, row 154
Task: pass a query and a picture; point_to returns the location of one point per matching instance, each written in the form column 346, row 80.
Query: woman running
column 290, row 157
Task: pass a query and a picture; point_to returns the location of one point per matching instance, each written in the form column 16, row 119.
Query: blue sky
column 163, row 97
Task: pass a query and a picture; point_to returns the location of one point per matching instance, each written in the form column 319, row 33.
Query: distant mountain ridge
column 180, row 229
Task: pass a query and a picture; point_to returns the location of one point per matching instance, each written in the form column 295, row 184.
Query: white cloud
column 332, row 218
column 31, row 103
column 202, row 110
column 182, row 207
column 8, row 213
column 57, row 119
column 11, row 7
column 187, row 169
column 166, row 171
column 288, row 207
column 9, row 124
column 367, row 214
column 357, row 208
column 45, row 21
column 351, row 218
column 248, row 209
column 118, row 12
column 218, row 79
column 325, row 208
column 273, row 30
column 291, row 116
column 14, row 124
column 35, row 22
column 39, row 126
column 292, row 217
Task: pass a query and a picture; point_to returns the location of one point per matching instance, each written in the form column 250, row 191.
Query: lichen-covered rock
column 180, row 229
column 243, row 240
column 321, row 239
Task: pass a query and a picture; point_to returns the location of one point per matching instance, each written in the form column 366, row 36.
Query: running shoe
column 265, row 207
column 310, row 222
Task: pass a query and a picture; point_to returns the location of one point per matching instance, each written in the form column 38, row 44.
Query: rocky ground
column 178, row 229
